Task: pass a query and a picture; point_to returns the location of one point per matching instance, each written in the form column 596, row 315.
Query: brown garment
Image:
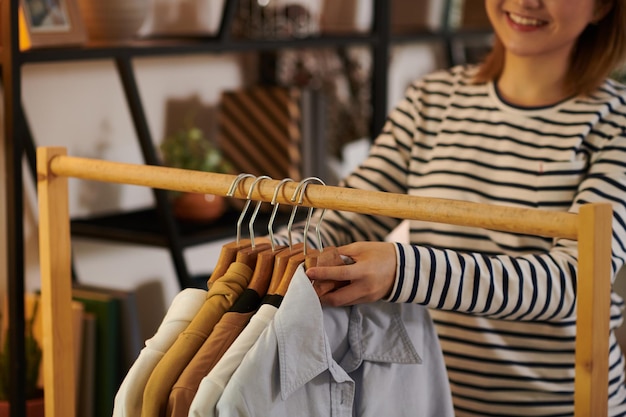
column 211, row 351
column 220, row 299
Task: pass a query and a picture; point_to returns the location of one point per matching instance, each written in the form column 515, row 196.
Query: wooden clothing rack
column 591, row 227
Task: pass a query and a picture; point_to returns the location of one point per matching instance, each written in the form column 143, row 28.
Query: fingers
column 327, row 281
column 349, row 294
column 329, row 273
column 369, row 278
column 353, row 287
column 324, row 287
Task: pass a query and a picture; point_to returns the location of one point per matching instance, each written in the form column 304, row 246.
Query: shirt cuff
column 405, row 284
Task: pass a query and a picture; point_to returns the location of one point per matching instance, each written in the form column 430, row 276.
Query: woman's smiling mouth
column 525, row 21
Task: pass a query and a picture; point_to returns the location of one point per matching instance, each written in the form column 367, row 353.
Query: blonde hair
column 600, row 49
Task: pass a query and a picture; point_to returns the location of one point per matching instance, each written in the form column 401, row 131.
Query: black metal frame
column 14, row 150
column 167, row 233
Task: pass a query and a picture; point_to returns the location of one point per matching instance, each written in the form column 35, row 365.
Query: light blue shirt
column 368, row 360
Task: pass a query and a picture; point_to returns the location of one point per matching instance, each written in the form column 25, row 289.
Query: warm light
column 24, row 37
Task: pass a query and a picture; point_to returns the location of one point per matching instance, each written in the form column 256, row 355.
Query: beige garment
column 220, row 298
column 225, row 332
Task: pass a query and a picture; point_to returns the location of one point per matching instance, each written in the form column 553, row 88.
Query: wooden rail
column 591, row 227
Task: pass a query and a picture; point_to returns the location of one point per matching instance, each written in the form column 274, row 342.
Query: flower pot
column 34, row 408
column 199, row 207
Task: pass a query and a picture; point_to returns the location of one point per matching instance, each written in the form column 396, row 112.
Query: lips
column 524, row 21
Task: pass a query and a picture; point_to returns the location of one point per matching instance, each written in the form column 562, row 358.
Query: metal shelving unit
column 157, row 226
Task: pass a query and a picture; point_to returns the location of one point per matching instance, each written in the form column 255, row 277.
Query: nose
column 529, row 4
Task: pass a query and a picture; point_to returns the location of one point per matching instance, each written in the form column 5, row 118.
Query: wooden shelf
column 143, row 227
column 154, row 226
column 208, row 45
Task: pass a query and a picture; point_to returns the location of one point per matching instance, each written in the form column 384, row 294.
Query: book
column 130, row 332
column 87, row 377
column 105, row 308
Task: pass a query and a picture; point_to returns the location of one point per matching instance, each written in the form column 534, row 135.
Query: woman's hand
column 369, row 278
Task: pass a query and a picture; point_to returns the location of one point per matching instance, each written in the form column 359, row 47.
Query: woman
column 537, row 125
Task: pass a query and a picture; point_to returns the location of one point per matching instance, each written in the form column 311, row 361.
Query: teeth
column 521, row 20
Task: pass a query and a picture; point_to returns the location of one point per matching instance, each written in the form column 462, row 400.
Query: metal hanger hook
column 230, row 193
column 256, row 208
column 236, row 181
column 270, row 224
column 301, row 189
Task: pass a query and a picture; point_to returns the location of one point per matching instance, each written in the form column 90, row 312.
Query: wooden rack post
column 56, row 287
column 591, row 227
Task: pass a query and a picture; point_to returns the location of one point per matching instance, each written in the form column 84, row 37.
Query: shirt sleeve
column 534, row 286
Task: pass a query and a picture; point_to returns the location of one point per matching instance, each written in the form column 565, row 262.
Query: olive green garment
column 220, row 298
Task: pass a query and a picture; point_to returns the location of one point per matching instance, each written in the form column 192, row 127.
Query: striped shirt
column 503, row 303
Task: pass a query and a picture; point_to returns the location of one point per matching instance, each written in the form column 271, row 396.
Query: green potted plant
column 33, row 354
column 189, row 148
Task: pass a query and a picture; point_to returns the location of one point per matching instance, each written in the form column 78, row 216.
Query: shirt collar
column 376, row 333
column 303, row 348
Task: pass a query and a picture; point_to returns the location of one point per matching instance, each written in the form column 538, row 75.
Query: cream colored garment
column 184, row 307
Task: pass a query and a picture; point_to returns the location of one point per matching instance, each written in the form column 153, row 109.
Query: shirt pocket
column 556, row 183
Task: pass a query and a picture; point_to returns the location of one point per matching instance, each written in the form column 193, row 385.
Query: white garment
column 129, row 397
column 211, row 387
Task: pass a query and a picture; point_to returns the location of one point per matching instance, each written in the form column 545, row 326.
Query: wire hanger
column 295, row 261
column 229, row 251
column 263, row 271
column 281, row 259
column 303, row 184
column 311, row 261
column 270, row 224
column 249, row 254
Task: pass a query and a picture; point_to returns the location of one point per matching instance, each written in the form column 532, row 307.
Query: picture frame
column 50, row 23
